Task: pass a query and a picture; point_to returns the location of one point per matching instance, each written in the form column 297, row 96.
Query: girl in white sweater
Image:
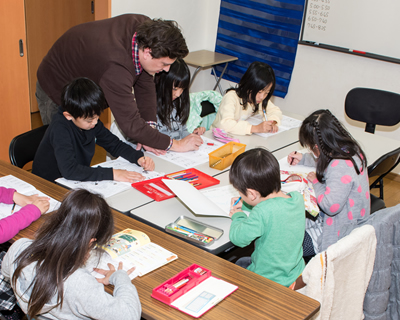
column 252, row 96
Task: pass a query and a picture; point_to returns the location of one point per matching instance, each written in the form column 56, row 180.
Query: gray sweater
column 84, row 297
column 343, row 197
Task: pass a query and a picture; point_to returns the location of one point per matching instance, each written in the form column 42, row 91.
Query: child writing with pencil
column 48, row 273
column 252, row 96
column 276, row 220
column 69, row 143
column 32, row 207
column 340, row 182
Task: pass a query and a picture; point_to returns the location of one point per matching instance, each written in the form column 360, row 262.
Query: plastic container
column 223, row 157
column 167, row 293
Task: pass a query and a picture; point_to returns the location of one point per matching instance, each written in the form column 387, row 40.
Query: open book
column 134, row 249
column 25, row 189
column 209, row 202
column 108, row 188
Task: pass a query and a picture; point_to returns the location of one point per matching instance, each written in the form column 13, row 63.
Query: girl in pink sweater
column 33, row 207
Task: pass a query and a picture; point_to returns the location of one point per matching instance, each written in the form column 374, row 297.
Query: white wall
column 321, row 78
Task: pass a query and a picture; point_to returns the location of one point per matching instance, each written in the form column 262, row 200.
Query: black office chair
column 375, row 107
column 23, row 147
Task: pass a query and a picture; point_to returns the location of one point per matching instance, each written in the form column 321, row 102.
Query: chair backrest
column 374, row 107
column 382, row 299
column 339, row 276
column 384, row 164
column 23, row 147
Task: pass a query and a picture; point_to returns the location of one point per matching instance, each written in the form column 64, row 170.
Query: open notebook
column 209, row 202
column 108, row 188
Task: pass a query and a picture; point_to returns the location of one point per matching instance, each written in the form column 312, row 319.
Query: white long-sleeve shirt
column 232, row 118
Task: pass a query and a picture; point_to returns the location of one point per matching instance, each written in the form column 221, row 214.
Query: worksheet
column 192, row 159
column 108, row 188
column 287, row 123
column 24, row 188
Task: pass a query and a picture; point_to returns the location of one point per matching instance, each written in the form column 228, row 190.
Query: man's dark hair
column 163, row 37
column 256, row 169
column 83, row 98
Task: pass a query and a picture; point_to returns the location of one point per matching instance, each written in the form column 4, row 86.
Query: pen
column 144, row 158
column 237, row 201
column 13, row 207
column 291, row 162
column 265, row 115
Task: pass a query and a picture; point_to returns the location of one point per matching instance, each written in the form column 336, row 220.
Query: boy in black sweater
column 69, row 143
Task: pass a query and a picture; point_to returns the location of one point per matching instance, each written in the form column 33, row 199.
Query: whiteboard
column 364, row 27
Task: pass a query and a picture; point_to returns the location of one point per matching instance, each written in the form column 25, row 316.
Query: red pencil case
column 157, row 190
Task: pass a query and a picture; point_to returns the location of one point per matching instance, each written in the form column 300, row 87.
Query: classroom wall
column 321, row 78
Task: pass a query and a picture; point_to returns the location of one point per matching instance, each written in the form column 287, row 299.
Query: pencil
column 237, row 201
column 291, row 162
column 13, row 207
column 265, row 115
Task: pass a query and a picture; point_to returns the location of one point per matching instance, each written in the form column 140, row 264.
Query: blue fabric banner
column 260, row 30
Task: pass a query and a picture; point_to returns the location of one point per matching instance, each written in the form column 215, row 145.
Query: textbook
column 24, row 188
column 193, row 291
column 134, row 249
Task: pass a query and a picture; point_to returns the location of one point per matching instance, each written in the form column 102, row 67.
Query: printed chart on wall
column 363, row 27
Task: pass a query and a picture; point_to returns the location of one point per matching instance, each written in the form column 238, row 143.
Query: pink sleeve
column 6, row 195
column 11, row 225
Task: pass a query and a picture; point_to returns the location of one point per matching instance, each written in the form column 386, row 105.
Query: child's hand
column 42, row 203
column 146, row 163
column 265, row 126
column 199, row 130
column 294, row 158
column 237, row 207
column 107, row 273
column 22, row 200
column 311, row 176
column 127, row 176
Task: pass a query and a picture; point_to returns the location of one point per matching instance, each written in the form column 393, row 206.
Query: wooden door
column 46, row 21
column 14, row 104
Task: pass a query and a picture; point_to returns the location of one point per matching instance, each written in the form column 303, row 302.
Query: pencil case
column 222, row 136
column 204, row 234
column 223, row 157
column 170, row 290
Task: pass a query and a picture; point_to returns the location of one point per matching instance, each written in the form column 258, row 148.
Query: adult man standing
column 119, row 54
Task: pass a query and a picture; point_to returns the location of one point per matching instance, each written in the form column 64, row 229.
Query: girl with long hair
column 48, row 274
column 173, row 105
column 340, row 182
column 252, row 96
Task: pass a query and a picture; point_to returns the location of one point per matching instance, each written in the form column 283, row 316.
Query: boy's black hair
column 324, row 130
column 83, row 98
column 256, row 169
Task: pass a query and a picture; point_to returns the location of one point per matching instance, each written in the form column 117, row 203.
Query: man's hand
column 191, row 142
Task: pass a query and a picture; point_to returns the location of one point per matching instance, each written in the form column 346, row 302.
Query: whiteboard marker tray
column 194, row 231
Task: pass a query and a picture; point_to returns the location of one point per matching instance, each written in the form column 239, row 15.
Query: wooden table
column 256, row 298
column 205, row 59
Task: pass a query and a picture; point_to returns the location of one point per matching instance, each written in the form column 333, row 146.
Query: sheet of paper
column 192, row 159
column 194, row 199
column 108, row 188
column 204, row 296
column 287, row 123
column 24, row 188
column 221, row 196
column 285, row 166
